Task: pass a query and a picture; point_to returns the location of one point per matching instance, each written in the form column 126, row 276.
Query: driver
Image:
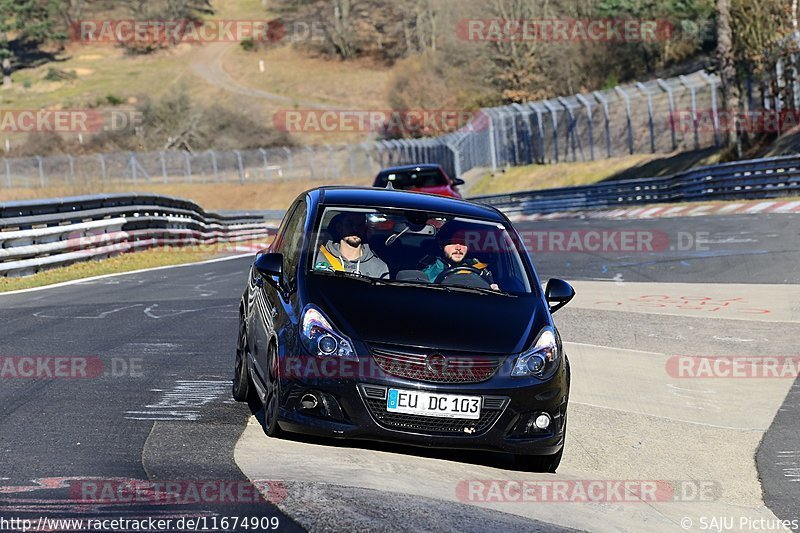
column 348, row 252
column 453, row 242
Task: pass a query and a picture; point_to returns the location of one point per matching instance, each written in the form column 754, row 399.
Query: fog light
column 327, row 344
column 542, row 421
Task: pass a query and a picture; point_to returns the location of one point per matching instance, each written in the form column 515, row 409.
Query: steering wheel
column 457, row 270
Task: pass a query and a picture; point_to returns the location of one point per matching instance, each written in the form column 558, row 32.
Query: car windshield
column 402, row 246
column 413, row 178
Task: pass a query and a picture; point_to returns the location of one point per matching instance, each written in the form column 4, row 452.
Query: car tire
column 242, row 387
column 271, row 398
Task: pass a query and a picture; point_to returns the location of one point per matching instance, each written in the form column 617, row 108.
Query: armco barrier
column 741, row 180
column 40, row 234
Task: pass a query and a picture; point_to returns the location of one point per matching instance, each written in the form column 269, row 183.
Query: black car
column 404, row 317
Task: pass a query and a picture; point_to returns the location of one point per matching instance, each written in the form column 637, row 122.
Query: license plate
column 433, row 404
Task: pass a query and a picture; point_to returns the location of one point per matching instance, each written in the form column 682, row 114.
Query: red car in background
column 419, row 178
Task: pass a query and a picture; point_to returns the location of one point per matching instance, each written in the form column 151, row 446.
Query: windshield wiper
column 452, row 288
column 351, row 275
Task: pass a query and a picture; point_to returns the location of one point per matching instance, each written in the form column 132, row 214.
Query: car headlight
column 541, row 359
column 320, row 338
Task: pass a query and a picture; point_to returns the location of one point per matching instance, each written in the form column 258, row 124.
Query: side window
column 281, row 233
column 292, row 241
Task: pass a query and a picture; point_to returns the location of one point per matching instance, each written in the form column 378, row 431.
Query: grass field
column 216, row 73
column 210, row 196
column 534, row 177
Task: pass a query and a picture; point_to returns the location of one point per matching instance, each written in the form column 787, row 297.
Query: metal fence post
column 71, row 168
column 368, row 152
column 164, row 167
column 351, row 161
column 780, row 85
column 381, row 149
column 645, row 91
column 103, row 170
column 331, row 163
column 571, row 135
column 554, row 120
column 525, row 113
column 289, row 159
column 42, row 179
column 715, row 114
column 624, row 95
column 582, row 99
column 311, row 162
column 671, row 99
column 539, row 127
column 514, row 136
column 188, row 166
column 266, row 163
column 602, row 99
column 492, row 142
column 132, row 164
column 693, row 93
column 214, row 164
column 456, row 160
column 241, row 166
column 406, row 150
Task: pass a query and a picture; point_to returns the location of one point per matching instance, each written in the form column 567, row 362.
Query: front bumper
column 356, row 409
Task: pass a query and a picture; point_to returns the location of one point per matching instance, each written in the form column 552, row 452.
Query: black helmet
column 359, row 218
column 452, row 233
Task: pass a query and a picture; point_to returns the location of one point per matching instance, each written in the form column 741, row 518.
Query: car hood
column 431, row 318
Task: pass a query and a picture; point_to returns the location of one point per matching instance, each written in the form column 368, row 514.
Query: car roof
column 375, row 197
column 403, row 168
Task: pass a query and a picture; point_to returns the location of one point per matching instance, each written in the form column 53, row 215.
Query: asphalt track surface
column 171, row 418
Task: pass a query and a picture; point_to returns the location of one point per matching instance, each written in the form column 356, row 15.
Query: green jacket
column 439, row 265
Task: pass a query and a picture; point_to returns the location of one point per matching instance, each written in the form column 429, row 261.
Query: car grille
column 375, row 400
column 462, row 368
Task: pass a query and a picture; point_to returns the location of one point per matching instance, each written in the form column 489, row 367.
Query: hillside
column 220, row 73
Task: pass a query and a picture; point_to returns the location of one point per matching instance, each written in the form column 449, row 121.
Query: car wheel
column 242, row 387
column 271, row 427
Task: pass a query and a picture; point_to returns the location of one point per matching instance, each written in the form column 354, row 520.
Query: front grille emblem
column 436, row 363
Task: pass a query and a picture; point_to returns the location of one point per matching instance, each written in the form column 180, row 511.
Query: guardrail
column 40, row 234
column 741, row 180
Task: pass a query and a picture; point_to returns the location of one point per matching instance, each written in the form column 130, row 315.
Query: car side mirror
column 558, row 293
column 458, row 181
column 269, row 265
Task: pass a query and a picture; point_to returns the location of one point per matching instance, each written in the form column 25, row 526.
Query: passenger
column 453, row 242
column 347, row 251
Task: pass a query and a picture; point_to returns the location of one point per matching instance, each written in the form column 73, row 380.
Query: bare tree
column 520, row 61
column 727, row 70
